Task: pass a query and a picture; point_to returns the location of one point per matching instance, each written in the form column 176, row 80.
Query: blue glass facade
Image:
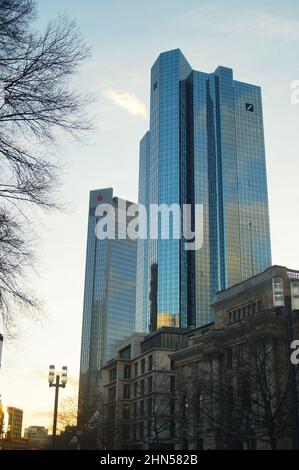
column 142, row 280
column 205, row 146
column 109, row 299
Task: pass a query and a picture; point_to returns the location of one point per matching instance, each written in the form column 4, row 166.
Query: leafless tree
column 258, row 398
column 108, row 421
column 91, row 433
column 156, row 405
column 68, row 412
column 37, row 106
column 98, row 429
column 247, row 396
column 159, row 409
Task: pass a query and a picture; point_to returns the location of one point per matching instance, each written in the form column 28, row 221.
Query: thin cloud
column 211, row 18
column 127, row 101
column 38, row 414
column 265, row 24
column 137, row 79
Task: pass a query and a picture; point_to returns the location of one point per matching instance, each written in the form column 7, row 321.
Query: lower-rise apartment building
column 137, row 396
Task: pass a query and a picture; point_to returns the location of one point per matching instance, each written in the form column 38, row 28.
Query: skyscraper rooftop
column 205, row 147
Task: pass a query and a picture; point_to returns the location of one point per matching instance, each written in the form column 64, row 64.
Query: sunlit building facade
column 15, row 423
column 205, row 146
column 109, row 297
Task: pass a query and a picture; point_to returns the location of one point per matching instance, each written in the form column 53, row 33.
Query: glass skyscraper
column 205, row 146
column 109, row 297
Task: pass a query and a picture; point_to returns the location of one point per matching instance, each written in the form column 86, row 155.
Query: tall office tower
column 205, row 146
column 15, row 423
column 109, row 297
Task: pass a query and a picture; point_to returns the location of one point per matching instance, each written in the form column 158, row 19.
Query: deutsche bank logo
column 249, row 107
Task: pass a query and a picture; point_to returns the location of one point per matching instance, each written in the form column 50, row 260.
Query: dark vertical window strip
column 213, row 209
column 221, row 240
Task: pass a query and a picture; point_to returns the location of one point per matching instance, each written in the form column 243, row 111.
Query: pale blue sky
column 258, row 40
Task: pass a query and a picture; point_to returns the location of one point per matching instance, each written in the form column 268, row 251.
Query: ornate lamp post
column 58, row 382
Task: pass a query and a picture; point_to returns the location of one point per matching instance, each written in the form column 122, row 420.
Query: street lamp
column 57, row 384
column 51, row 375
column 64, row 376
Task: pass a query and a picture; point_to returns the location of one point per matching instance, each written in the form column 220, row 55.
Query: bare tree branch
column 39, row 106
